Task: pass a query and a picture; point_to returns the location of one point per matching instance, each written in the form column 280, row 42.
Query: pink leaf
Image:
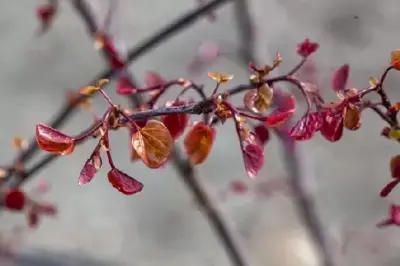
column 306, row 127
column 87, row 173
column 306, row 48
column 239, row 187
column 124, row 86
column 340, row 77
column 253, row 156
column 153, row 79
column 123, row 182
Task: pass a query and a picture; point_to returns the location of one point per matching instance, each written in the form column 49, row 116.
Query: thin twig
column 145, row 46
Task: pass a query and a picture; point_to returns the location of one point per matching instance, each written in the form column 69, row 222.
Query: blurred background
column 162, row 225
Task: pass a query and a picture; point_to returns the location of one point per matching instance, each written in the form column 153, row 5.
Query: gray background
column 161, row 225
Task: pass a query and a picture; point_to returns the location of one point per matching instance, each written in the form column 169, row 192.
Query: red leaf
column 87, row 173
column 306, row 48
column 253, row 156
column 114, row 60
column 332, row 126
column 262, row 132
column 33, row 218
column 394, row 217
column 388, row 188
column 153, row 79
column 123, row 182
column 175, row 123
column 306, row 127
column 14, row 199
column 339, row 79
column 53, row 141
column 239, row 187
column 45, row 13
column 124, row 86
column 395, row 166
column 286, row 107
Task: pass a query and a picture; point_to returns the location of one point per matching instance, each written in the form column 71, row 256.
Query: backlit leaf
column 87, row 173
column 153, row 79
column 395, row 59
column 306, row 127
column 352, row 118
column 198, row 142
column 263, row 99
column 53, row 141
column 253, row 156
column 340, row 77
column 153, row 143
column 286, row 103
column 175, row 123
column 220, row 78
column 123, row 182
column 332, row 126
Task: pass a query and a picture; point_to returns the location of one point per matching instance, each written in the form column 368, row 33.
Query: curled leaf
column 340, row 77
column 14, row 199
column 286, row 107
column 220, row 78
column 253, row 156
column 263, row 99
column 352, row 118
column 123, row 182
column 87, row 173
column 395, row 59
column 175, row 123
column 306, row 127
column 153, row 143
column 53, row 141
column 198, row 142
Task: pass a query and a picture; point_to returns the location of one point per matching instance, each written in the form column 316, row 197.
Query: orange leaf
column 153, row 143
column 198, row 142
column 88, row 90
column 395, row 59
column 220, row 78
column 352, row 118
column 19, row 143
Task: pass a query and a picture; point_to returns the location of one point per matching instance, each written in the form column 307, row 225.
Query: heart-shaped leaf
column 123, row 182
column 253, row 156
column 153, row 143
column 198, row 142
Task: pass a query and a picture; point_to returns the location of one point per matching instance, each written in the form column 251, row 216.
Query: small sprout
column 306, row 48
column 19, row 143
column 220, row 78
column 89, row 90
column 395, row 59
column 373, row 82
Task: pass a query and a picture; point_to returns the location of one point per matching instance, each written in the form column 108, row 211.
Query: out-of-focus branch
column 183, row 165
column 145, row 46
column 303, row 198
